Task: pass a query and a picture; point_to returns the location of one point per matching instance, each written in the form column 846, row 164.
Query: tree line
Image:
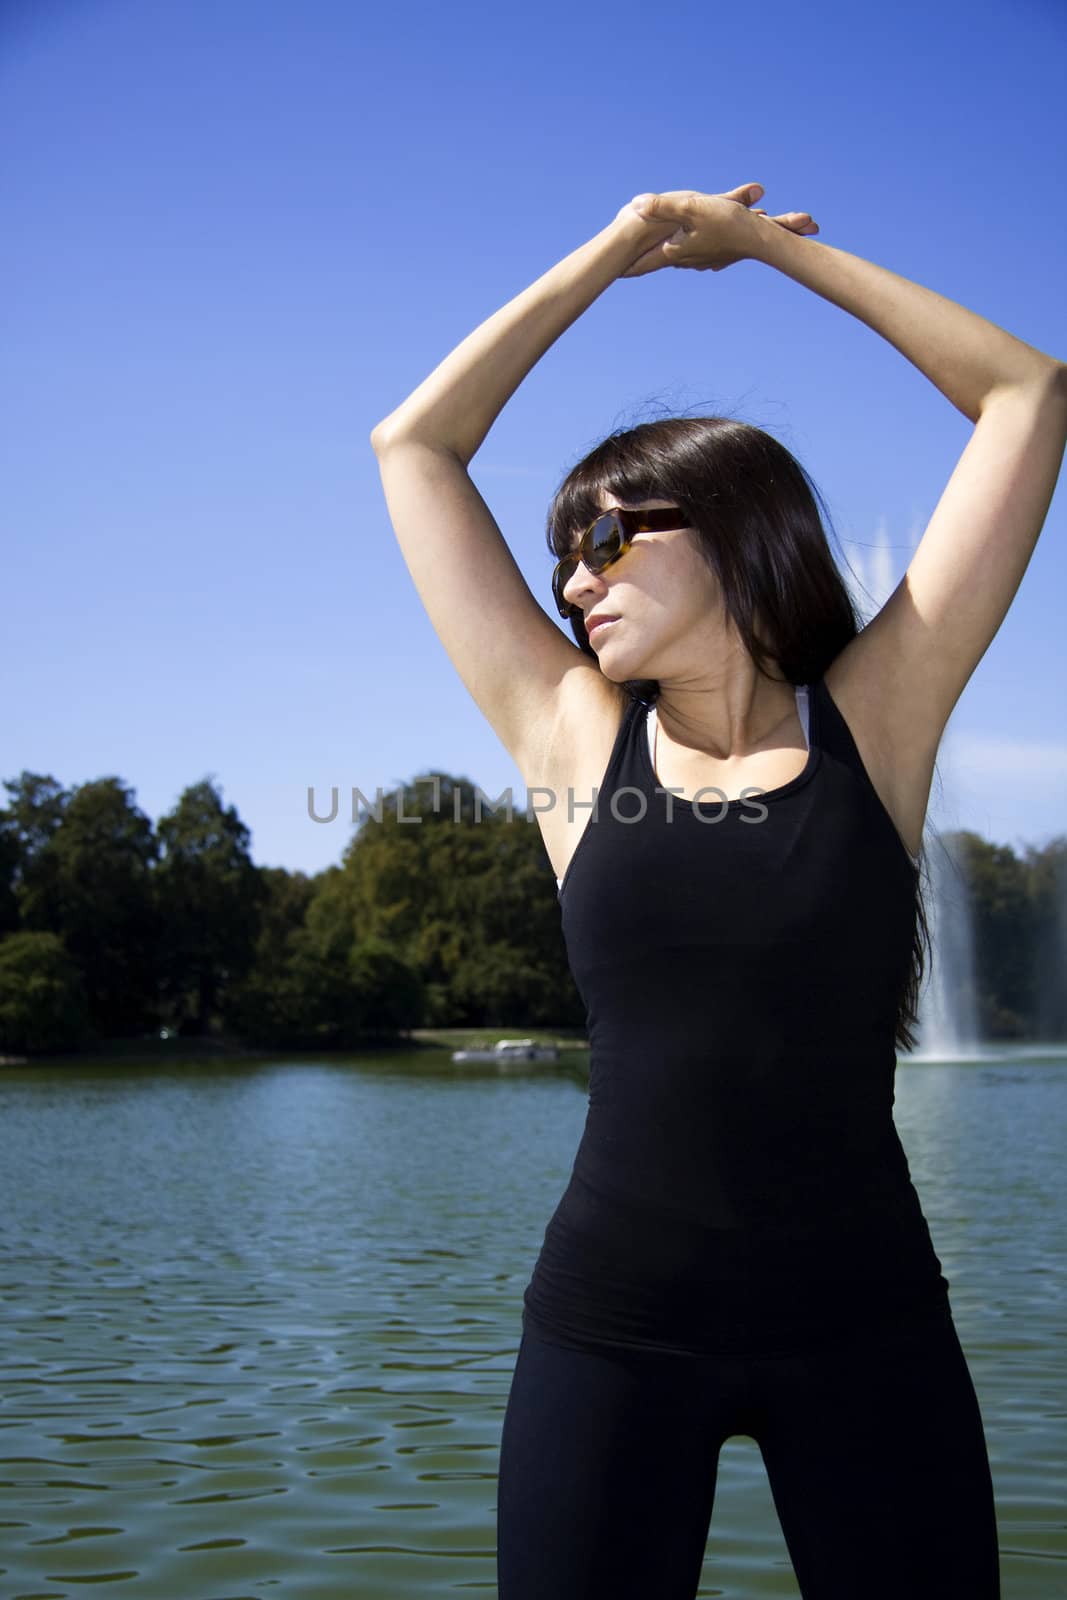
column 114, row 928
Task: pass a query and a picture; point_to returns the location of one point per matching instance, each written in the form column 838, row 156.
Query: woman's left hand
column 711, row 231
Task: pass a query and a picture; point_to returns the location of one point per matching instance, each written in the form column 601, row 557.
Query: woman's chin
column 618, row 669
column 617, row 663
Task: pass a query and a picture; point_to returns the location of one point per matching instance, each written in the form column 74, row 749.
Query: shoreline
column 152, row 1050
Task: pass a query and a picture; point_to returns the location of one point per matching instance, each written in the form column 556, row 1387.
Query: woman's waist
column 606, row 1217
column 610, row 1270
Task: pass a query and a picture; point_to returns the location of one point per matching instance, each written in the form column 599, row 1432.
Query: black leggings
column 874, row 1450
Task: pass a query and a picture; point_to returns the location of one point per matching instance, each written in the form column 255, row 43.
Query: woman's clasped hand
column 705, row 231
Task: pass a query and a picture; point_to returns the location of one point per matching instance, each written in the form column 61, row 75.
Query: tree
column 87, row 875
column 1004, row 944
column 31, row 820
column 471, row 905
column 10, row 862
column 209, row 897
column 270, row 1003
column 42, row 998
column 1046, row 878
column 388, row 989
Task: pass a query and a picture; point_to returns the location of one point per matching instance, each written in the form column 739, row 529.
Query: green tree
column 88, row 876
column 31, row 819
column 389, row 990
column 209, row 896
column 269, row 1004
column 10, row 862
column 314, row 981
column 42, row 997
column 361, row 980
column 1046, row 875
column 471, row 905
column 1004, row 935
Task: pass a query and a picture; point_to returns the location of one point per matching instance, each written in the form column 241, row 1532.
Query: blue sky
column 239, row 233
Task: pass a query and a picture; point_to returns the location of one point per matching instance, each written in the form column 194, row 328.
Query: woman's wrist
column 605, row 254
column 630, row 235
column 774, row 245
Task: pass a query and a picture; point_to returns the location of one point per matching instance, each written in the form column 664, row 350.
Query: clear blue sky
column 238, row 233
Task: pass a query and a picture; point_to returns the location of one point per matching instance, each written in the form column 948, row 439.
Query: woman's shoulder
column 590, row 717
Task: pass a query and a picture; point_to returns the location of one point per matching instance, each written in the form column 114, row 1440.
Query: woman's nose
column 581, row 582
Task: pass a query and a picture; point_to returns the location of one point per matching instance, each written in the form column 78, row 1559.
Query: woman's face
column 667, row 601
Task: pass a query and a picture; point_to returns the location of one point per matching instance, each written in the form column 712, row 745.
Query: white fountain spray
column 947, row 1023
column 948, row 1012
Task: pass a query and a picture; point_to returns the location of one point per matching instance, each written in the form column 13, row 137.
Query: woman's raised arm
column 509, row 653
column 518, row 665
column 905, row 671
column 910, row 665
column 454, row 408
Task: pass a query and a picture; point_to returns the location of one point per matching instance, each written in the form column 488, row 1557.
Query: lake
column 258, row 1319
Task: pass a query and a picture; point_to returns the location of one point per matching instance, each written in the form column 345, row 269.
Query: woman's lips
column 601, row 622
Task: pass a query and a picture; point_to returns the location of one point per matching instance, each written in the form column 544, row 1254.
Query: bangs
column 609, row 471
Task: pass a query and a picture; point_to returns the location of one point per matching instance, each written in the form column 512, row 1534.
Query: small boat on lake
column 506, row 1051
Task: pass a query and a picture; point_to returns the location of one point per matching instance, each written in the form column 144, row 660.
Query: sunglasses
column 605, row 541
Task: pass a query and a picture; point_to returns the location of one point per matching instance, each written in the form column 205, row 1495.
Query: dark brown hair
column 758, row 517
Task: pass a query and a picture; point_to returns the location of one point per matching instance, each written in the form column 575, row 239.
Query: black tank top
column 739, row 1187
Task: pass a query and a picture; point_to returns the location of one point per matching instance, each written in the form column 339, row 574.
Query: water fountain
column 948, row 1023
column 948, row 1012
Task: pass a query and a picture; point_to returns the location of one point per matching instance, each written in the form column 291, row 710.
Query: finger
column 666, row 207
column 795, row 221
column 798, row 222
column 658, row 215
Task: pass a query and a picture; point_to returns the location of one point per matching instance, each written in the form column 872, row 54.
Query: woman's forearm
column 455, row 407
column 966, row 356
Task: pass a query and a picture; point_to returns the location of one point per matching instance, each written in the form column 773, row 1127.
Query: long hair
column 758, row 517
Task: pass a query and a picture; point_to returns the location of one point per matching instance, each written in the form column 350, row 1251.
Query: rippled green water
column 258, row 1322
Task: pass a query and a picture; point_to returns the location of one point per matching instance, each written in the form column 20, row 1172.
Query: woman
column 740, row 1249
